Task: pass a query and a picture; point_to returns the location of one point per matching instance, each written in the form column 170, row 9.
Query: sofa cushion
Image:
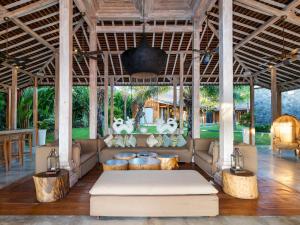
column 151, row 182
column 86, row 156
column 151, row 141
column 166, row 141
column 211, row 148
column 181, row 141
column 159, row 139
column 109, row 141
column 205, row 156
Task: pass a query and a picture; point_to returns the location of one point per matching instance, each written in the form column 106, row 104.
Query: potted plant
column 245, row 122
column 42, row 132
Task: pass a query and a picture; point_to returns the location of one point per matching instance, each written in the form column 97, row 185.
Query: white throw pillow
column 109, row 141
column 151, row 141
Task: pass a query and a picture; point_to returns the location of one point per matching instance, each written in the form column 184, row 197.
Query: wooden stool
column 5, row 144
column 240, row 185
column 168, row 161
column 50, row 188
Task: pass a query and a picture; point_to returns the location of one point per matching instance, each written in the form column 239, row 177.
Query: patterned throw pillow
column 181, row 141
column 119, row 141
column 131, row 141
column 159, row 138
column 109, row 141
column 166, row 141
column 173, row 140
column 151, row 141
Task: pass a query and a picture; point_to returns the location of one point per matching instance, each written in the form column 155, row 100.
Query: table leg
column 20, row 149
column 5, row 150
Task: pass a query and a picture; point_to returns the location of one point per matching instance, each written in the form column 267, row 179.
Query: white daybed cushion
column 152, row 182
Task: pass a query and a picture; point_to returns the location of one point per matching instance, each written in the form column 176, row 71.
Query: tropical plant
column 245, row 119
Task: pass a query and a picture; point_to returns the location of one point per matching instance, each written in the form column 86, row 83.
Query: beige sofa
column 185, row 153
column 208, row 161
column 84, row 156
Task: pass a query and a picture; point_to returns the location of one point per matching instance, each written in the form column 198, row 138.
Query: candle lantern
column 237, row 161
column 53, row 162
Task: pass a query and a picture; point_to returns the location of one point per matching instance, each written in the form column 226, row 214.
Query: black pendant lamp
column 144, row 61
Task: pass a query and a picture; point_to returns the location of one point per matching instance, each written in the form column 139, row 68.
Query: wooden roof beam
column 28, row 9
column 201, row 7
column 88, row 8
column 148, row 29
column 288, row 11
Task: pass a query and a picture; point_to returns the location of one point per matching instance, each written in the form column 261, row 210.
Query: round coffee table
column 125, row 155
column 147, row 154
column 115, row 164
column 144, row 164
column 240, row 185
column 168, row 161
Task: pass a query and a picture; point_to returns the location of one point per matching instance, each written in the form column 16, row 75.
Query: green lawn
column 207, row 131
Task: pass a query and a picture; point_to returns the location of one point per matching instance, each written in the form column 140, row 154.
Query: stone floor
column 16, row 171
column 284, row 169
column 82, row 220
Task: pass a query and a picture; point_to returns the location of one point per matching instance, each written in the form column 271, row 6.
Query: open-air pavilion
column 207, row 42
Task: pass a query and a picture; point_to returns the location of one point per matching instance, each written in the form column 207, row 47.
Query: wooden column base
column 240, row 186
column 50, row 188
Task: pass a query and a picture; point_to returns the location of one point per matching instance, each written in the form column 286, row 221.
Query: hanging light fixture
column 144, row 61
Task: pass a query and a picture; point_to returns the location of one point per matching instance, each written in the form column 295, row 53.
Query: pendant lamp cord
column 143, row 15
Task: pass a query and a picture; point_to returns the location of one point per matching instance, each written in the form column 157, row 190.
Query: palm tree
column 140, row 95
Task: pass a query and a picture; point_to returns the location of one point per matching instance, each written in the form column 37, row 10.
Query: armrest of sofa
column 190, row 144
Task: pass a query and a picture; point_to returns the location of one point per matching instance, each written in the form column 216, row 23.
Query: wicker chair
column 285, row 132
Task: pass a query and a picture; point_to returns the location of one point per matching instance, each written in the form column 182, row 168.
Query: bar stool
column 17, row 138
column 28, row 137
column 5, row 148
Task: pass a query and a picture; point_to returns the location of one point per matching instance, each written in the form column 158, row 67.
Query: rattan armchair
column 286, row 134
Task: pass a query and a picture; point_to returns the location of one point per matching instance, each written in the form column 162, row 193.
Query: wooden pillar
column 65, row 83
column 279, row 106
column 225, row 84
column 56, row 101
column 252, row 119
column 35, row 111
column 274, row 93
column 93, row 87
column 174, row 97
column 8, row 107
column 112, row 101
column 14, row 97
column 105, row 93
column 181, row 93
column 196, row 80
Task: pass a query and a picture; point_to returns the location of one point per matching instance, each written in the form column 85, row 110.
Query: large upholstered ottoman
column 153, row 193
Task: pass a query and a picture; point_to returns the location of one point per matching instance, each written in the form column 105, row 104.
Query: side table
column 240, row 185
column 50, row 188
column 168, row 161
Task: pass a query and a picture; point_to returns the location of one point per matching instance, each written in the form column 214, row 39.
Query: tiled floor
column 284, row 169
column 17, row 172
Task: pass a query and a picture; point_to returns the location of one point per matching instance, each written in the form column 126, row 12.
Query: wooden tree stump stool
column 50, row 188
column 115, row 164
column 242, row 185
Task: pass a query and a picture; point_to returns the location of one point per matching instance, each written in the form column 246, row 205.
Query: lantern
column 237, row 161
column 53, row 162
